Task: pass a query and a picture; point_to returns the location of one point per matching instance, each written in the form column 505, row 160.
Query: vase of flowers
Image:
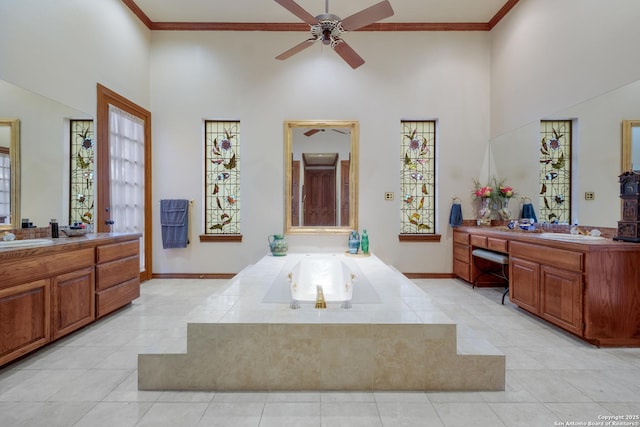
column 503, row 209
column 504, row 194
column 483, row 194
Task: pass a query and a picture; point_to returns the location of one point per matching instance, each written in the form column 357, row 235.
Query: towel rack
column 525, row 199
column 454, row 198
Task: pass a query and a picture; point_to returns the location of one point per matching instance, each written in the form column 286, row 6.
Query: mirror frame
column 627, row 143
column 354, row 129
column 14, row 147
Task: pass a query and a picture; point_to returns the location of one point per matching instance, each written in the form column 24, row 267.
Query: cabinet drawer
column 115, row 272
column 115, row 251
column 462, row 270
column 117, row 296
column 460, row 237
column 498, row 245
column 461, row 252
column 479, row 241
column 561, row 258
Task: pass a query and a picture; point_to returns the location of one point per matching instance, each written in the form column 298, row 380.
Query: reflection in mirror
column 42, row 190
column 515, row 155
column 321, row 163
column 9, row 173
column 630, row 145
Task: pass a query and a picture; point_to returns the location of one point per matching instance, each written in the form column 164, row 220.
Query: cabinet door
column 24, row 319
column 561, row 298
column 73, row 301
column 524, row 287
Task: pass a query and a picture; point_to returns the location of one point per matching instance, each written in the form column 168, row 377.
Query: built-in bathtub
column 340, row 278
column 393, row 337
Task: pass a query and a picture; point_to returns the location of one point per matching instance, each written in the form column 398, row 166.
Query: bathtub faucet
column 320, row 301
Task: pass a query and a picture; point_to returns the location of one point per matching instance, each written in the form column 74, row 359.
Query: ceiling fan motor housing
column 328, row 29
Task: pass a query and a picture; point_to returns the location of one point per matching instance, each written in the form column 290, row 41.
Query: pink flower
column 506, row 191
column 484, row 192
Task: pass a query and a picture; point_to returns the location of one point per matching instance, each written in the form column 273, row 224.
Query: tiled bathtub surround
column 402, row 342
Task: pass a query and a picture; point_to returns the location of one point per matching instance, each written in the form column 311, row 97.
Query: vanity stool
column 502, row 260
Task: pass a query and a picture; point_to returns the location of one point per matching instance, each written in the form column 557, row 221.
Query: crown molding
column 275, row 26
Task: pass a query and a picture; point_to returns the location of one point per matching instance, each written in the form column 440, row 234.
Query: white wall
column 62, row 48
column 197, row 76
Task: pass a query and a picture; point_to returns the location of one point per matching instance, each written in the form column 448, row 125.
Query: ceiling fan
column 329, row 28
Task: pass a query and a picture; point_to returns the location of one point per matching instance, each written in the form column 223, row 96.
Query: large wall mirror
column 42, row 189
column 515, row 156
column 631, row 145
column 321, row 164
column 9, row 173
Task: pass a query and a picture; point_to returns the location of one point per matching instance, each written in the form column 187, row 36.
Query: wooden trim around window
column 221, row 237
column 419, row 237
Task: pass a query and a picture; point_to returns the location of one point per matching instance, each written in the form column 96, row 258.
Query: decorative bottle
column 365, row 242
column 354, row 242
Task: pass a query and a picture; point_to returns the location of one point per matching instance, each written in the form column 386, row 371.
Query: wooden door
column 319, row 201
column 524, row 286
column 344, row 192
column 104, row 220
column 561, row 298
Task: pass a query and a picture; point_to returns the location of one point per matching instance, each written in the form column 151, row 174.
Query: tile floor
column 90, row 378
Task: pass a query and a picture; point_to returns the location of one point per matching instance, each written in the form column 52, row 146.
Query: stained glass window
column 555, row 171
column 222, row 177
column 417, row 179
column 81, row 193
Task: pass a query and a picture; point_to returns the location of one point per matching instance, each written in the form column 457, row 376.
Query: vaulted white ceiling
column 268, row 11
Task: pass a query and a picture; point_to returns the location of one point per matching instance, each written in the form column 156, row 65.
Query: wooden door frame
column 108, row 97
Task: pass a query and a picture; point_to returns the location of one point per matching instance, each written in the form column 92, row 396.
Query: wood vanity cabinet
column 461, row 255
column 117, row 276
column 48, row 292
column 464, row 266
column 548, row 282
column 590, row 289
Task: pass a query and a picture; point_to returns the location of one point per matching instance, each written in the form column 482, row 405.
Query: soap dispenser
column 54, row 228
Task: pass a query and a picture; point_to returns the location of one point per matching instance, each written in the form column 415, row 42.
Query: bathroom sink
column 24, row 243
column 571, row 237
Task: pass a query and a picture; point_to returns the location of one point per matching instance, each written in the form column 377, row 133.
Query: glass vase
column 503, row 209
column 484, row 209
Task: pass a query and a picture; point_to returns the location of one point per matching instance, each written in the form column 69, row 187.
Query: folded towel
column 174, row 220
column 528, row 212
column 455, row 217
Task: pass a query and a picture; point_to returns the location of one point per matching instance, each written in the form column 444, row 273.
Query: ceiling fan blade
column 297, row 10
column 348, row 54
column 367, row 16
column 297, row 48
column 312, row 132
